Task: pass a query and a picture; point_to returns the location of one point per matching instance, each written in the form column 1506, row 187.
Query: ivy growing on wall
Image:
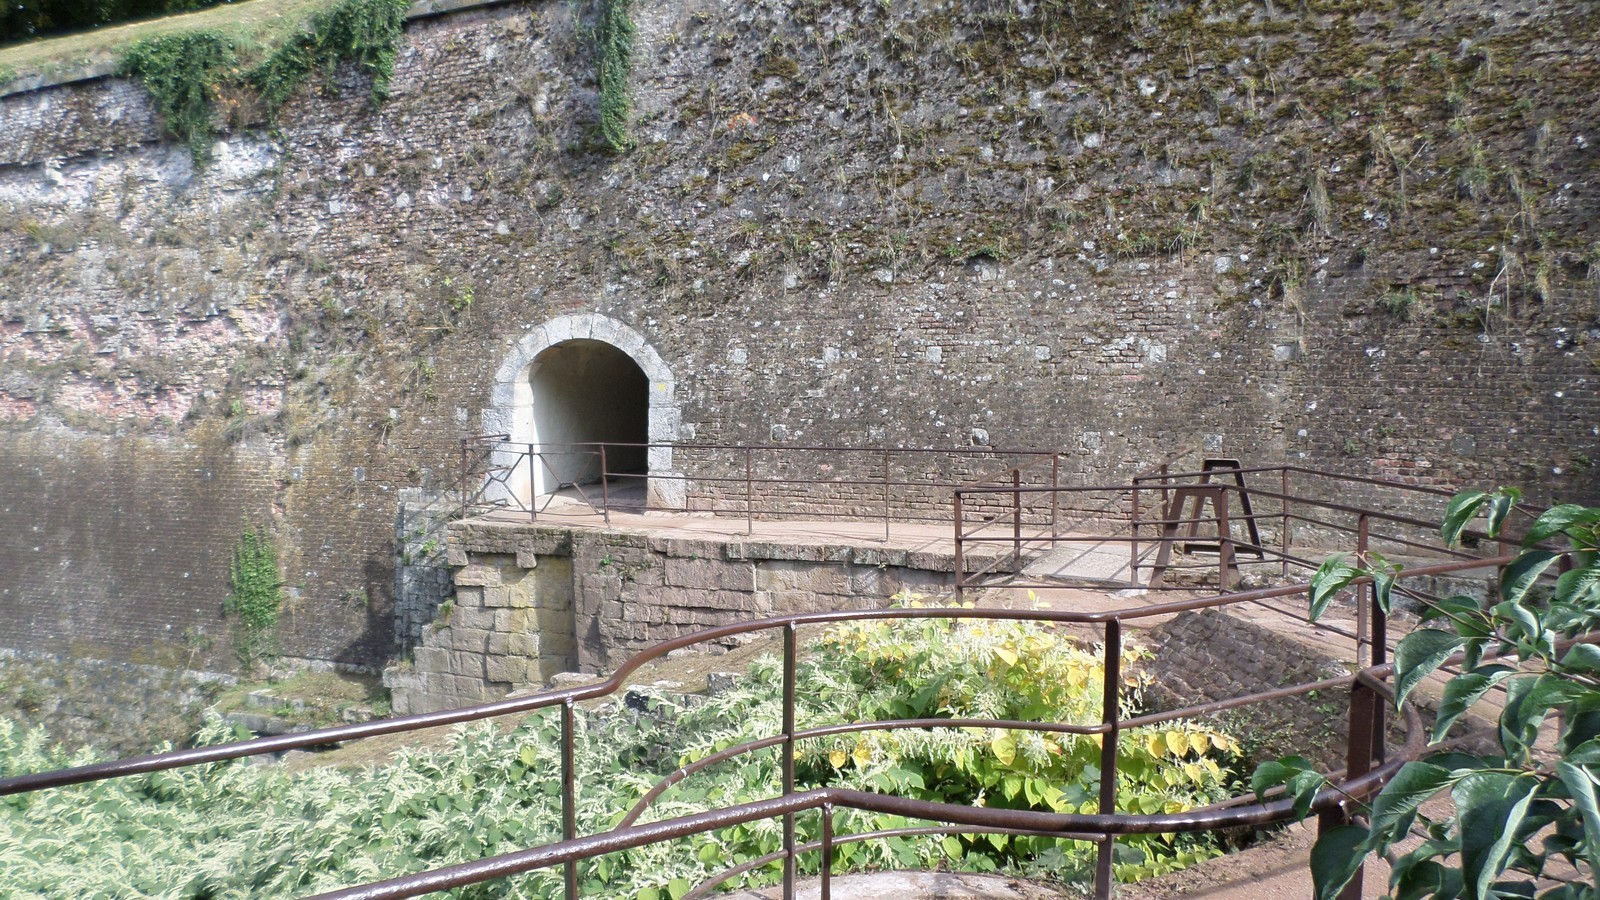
column 186, row 72
column 366, row 32
column 613, row 35
column 181, row 73
column 255, row 597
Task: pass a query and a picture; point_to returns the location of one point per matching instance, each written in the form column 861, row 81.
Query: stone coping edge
column 422, row 9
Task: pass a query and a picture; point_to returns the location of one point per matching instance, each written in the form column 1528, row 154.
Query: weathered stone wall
column 118, row 708
column 533, row 601
column 1204, row 657
column 422, row 575
column 1353, row 236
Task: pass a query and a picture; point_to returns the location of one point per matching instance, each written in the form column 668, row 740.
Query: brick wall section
column 828, row 237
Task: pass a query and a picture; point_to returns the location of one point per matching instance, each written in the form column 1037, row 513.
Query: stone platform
column 570, row 592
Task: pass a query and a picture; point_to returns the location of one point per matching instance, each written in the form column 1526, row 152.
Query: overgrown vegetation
column 613, row 49
column 181, row 73
column 365, row 32
column 188, row 72
column 235, row 830
column 1526, row 818
column 255, row 597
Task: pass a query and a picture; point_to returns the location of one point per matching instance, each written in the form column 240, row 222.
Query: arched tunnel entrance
column 585, row 393
column 583, row 378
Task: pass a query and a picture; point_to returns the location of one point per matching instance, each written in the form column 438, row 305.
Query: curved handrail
column 278, row 743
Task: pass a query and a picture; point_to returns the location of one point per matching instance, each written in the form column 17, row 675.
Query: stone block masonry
column 532, row 601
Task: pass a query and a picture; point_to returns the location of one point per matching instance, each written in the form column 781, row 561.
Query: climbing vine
column 186, row 72
column 366, row 32
column 613, row 36
column 255, row 597
column 181, row 73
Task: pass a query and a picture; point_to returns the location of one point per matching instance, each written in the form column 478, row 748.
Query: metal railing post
column 749, row 508
column 1283, row 531
column 1104, row 877
column 826, row 888
column 789, row 655
column 961, row 567
column 1133, row 545
column 1016, row 520
column 533, row 485
column 1226, row 565
column 605, row 485
column 886, row 495
column 1364, row 645
column 1378, row 646
column 1055, row 497
column 1364, row 709
column 569, row 799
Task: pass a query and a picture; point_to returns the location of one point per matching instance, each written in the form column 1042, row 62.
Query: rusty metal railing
column 1298, row 496
column 1030, row 513
column 754, row 481
column 1369, row 762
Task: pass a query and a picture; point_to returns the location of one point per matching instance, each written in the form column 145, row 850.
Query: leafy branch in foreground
column 1527, row 818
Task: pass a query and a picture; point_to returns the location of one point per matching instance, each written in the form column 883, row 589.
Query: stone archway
column 586, row 339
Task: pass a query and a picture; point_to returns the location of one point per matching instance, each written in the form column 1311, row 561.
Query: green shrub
column 185, row 72
column 235, row 830
column 366, row 32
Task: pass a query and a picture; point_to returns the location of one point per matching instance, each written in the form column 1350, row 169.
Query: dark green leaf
column 1500, row 505
column 1463, row 691
column 1414, row 879
column 1586, row 753
column 1523, row 572
column 1528, row 700
column 1394, row 808
column 1333, row 576
column 1383, row 575
column 1335, row 858
column 1557, row 519
column 1457, row 608
column 1579, row 730
column 1463, row 507
column 1417, row 655
column 1305, row 787
column 1582, row 658
column 1274, row 772
column 1491, row 806
column 1580, row 786
column 1579, row 587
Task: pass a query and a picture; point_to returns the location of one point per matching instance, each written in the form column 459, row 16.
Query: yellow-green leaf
column 1004, row 747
